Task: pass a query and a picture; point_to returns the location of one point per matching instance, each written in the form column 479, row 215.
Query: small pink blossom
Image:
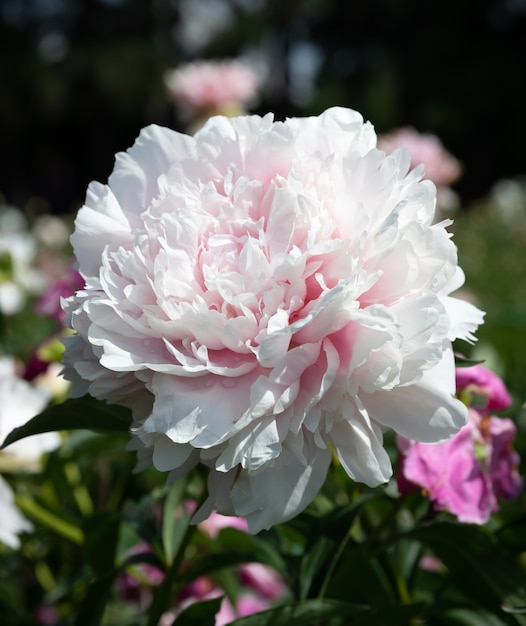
column 246, row 604
column 216, row 522
column 63, row 287
column 209, row 85
column 135, row 584
column 504, row 462
column 484, row 382
column 47, row 615
column 469, row 473
column 263, row 579
column 450, row 474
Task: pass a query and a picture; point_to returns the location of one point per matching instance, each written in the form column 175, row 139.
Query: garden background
column 79, row 79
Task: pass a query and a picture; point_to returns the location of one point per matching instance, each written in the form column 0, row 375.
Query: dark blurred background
column 79, row 78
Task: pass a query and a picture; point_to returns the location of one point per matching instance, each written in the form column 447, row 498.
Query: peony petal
column 294, row 486
column 435, row 414
column 134, row 180
column 358, row 443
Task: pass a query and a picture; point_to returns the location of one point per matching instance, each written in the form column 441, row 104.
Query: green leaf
column 250, row 547
column 461, row 361
column 302, row 613
column 209, row 563
column 56, row 523
column 327, row 541
column 413, row 613
column 202, row 613
column 478, row 566
column 86, row 413
column 141, row 558
column 175, row 519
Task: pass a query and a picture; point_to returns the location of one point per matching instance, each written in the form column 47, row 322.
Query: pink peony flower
column 467, row 474
column 209, row 85
column 262, row 579
column 216, row 522
column 440, row 166
column 246, row 604
column 261, row 292
column 504, row 460
column 451, row 475
column 482, row 381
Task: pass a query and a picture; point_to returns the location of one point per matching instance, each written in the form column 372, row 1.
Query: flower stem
column 163, row 593
column 384, row 557
column 334, row 563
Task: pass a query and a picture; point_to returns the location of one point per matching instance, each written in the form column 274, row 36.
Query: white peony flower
column 12, row 522
column 19, row 402
column 18, row 278
column 262, row 293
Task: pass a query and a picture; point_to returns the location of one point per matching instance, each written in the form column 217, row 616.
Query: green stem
column 163, row 594
column 334, row 563
column 59, row 525
column 384, row 557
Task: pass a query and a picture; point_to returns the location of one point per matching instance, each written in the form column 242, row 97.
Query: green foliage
column 74, row 413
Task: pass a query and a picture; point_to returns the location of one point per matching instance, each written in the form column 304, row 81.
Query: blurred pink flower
column 263, row 579
column 258, row 586
column 440, row 166
column 209, row 85
column 135, row 584
column 217, row 522
column 467, row 474
column 63, row 287
column 47, row 615
column 504, row 460
column 483, row 382
column 246, row 604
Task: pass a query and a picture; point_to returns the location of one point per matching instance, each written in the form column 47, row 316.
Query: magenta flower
column 64, row 287
column 262, row 579
column 504, row 461
column 483, row 382
column 467, row 474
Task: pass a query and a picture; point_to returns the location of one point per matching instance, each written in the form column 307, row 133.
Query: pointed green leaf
column 461, row 361
column 202, row 613
column 302, row 613
column 327, row 540
column 85, row 413
column 175, row 519
column 479, row 567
